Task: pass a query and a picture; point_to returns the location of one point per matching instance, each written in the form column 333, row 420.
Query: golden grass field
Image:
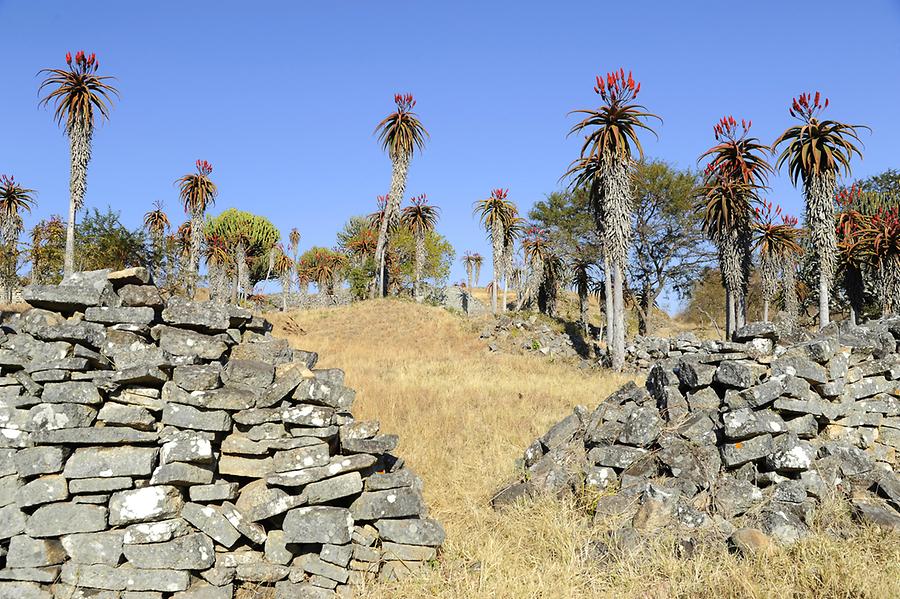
column 464, row 415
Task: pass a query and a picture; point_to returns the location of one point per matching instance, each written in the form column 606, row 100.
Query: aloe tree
column 605, row 166
column 477, row 261
column 157, row 224
column 401, row 133
column 294, row 245
column 218, row 262
column 284, row 268
column 469, row 265
column 852, row 255
column 14, row 199
column 420, row 218
column 738, row 162
column 815, row 151
column 778, row 244
column 511, row 232
column 80, row 96
column 496, row 214
column 582, row 281
column 197, row 193
column 880, row 241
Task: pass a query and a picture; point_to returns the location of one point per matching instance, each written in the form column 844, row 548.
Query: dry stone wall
column 155, row 449
column 744, row 439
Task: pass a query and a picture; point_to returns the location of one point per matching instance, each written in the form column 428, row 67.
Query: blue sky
column 282, row 97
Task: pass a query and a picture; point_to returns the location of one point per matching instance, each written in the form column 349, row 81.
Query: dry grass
column 464, row 415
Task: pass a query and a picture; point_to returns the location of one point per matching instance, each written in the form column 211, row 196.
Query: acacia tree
column 197, row 193
column 401, row 133
column 604, row 167
column 496, row 214
column 815, row 152
column 420, row 218
column 14, row 199
column 737, row 161
column 78, row 95
column 779, row 247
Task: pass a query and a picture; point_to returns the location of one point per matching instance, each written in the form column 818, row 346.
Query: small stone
column 25, row 552
column 33, row 461
column 156, row 532
column 412, row 531
column 144, row 505
column 276, row 548
column 184, row 416
column 45, row 489
column 393, row 503
column 330, row 489
column 732, row 373
column 107, row 462
column 735, row 454
column 220, row 491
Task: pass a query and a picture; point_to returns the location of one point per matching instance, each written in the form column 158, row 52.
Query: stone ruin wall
column 154, row 449
column 741, row 439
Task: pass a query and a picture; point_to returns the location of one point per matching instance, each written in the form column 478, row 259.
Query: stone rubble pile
column 744, row 439
column 155, row 449
column 641, row 353
column 531, row 336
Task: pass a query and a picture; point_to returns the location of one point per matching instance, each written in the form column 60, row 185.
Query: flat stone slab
column 393, row 503
column 318, row 524
column 111, row 435
column 125, row 577
column 95, row 547
column 58, row 519
column 191, row 552
column 412, row 531
column 108, row 462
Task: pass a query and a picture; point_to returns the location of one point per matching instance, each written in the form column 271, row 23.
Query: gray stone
column 156, row 532
column 393, row 503
column 140, row 295
column 144, row 505
column 307, row 415
column 800, row 367
column 143, row 374
column 642, row 427
column 33, row 461
column 220, row 491
column 95, row 548
column 381, row 481
column 9, row 486
column 703, row 399
column 754, row 330
column 262, row 572
column 182, row 474
column 58, row 519
column 318, row 524
column 313, row 564
column 223, row 398
column 791, row 454
column 245, row 467
column 204, row 590
column 55, row 416
column 783, row 525
column 734, row 497
column 107, row 462
column 249, row 373
column 25, row 552
column 412, row 531
column 202, row 316
column 12, row 521
column 285, row 382
column 125, row 415
column 45, row 489
column 615, row 456
column 258, row 502
column 338, row 465
column 330, row 489
column 210, row 520
column 22, row 590
column 125, row 577
column 745, row 423
column 190, row 552
column 71, row 392
column 190, row 417
column 276, row 548
column 181, row 342
column 735, row 454
column 301, row 590
column 694, row 375
column 126, row 315
column 186, row 446
column 338, row 555
column 197, row 377
column 111, row 435
column 732, row 373
column 63, row 298
column 877, row 515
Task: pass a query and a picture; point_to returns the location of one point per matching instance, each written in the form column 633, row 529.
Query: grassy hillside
column 464, row 415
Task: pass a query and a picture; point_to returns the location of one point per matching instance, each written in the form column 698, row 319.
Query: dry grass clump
column 464, row 415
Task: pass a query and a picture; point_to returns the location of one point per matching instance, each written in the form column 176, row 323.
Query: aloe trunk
column 583, row 311
column 617, row 202
column 607, row 289
column 820, row 190
column 419, row 265
column 399, row 172
column 469, row 274
column 768, row 273
column 791, row 303
column 194, row 264
column 80, row 154
column 497, row 243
